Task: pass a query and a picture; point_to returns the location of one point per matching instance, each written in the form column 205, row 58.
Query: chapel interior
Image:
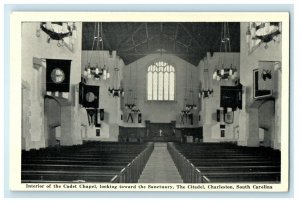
column 151, row 102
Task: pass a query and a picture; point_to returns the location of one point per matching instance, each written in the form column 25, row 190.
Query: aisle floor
column 160, row 167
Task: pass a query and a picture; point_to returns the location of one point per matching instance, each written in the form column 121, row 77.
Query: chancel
column 151, row 102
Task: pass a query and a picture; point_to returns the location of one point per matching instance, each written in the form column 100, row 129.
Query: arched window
column 161, row 81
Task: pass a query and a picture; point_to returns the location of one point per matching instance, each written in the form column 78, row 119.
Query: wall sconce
column 266, row 74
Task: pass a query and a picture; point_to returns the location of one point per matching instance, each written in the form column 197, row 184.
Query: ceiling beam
column 140, row 43
column 106, row 41
column 175, row 36
column 147, row 35
column 130, row 36
column 187, row 47
column 190, row 35
column 183, row 44
column 126, row 53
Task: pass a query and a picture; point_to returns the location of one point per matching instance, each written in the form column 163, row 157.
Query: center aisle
column 160, row 167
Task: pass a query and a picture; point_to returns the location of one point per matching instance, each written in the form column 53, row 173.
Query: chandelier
column 225, row 74
column 206, row 91
column 95, row 72
column 263, row 31
column 59, row 31
column 115, row 90
column 131, row 97
column 130, row 102
column 223, row 70
column 189, row 96
column 190, row 105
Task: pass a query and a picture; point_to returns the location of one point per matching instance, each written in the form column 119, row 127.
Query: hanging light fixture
column 265, row 31
column 189, row 97
column 207, row 91
column 223, row 71
column 191, row 105
column 115, row 90
column 95, row 72
column 130, row 95
column 135, row 108
column 59, row 31
column 129, row 104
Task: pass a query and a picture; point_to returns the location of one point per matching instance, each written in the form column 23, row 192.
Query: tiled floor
column 160, row 167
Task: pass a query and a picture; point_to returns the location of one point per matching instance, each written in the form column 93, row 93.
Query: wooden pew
column 66, row 176
column 228, row 163
column 92, row 162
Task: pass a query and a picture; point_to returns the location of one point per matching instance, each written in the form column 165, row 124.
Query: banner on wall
column 89, row 96
column 231, row 97
column 58, row 75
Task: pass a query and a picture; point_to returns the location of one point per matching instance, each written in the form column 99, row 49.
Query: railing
column 132, row 172
column 189, row 173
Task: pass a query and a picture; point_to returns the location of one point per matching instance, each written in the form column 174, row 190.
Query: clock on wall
column 57, row 75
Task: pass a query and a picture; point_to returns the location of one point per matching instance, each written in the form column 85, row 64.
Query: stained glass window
column 161, row 81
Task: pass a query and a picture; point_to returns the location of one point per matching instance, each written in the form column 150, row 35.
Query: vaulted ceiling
column 133, row 40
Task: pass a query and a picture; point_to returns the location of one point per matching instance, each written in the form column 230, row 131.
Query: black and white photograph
column 151, row 102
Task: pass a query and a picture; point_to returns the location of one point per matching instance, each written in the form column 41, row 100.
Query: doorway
column 52, row 113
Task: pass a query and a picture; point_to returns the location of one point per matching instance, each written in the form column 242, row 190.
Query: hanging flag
column 182, row 118
column 81, row 93
column 92, row 113
column 58, row 75
column 218, row 115
column 140, row 117
column 90, row 96
column 98, row 120
column 191, row 118
column 130, row 117
column 102, row 114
